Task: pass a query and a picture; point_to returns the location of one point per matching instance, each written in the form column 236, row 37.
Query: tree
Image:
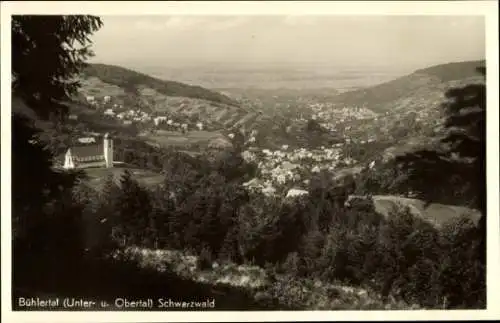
column 132, row 210
column 460, row 166
column 462, row 276
column 461, row 161
column 62, row 44
column 44, row 62
column 456, row 173
column 43, row 87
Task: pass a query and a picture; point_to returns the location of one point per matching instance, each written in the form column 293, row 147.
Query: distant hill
column 408, row 110
column 180, row 101
column 453, row 71
column 132, row 81
column 130, row 90
column 384, row 97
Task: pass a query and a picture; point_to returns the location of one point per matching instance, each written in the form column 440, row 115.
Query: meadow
column 174, row 138
column 98, row 175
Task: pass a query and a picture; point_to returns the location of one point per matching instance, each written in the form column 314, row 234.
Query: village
column 129, row 116
column 285, row 171
column 353, row 123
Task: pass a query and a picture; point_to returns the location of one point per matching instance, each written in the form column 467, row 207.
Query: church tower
column 68, row 160
column 108, row 150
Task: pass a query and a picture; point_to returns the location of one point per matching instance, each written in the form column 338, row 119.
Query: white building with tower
column 93, row 155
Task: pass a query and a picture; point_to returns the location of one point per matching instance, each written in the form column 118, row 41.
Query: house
column 294, row 192
column 159, row 120
column 95, row 155
column 219, row 144
column 86, row 140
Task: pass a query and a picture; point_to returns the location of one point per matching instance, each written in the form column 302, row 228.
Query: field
column 435, row 213
column 172, row 138
column 97, row 176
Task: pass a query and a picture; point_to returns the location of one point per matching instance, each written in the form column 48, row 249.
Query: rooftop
column 87, row 150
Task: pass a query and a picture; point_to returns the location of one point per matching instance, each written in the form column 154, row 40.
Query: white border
column 489, row 9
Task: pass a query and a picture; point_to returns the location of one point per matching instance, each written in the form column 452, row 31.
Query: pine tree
column 46, row 219
column 62, row 43
column 43, row 88
column 461, row 165
column 132, row 209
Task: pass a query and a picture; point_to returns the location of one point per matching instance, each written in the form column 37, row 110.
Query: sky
column 289, row 40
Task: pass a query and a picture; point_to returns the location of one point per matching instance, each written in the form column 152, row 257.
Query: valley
column 295, row 139
column 358, row 126
column 254, row 163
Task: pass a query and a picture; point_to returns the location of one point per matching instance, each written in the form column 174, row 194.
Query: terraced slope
column 133, row 82
column 139, row 91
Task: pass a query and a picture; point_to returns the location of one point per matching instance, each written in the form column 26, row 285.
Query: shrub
column 462, row 272
column 205, row 258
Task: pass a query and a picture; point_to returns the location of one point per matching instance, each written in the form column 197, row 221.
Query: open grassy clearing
column 97, row 176
column 172, row 138
column 435, row 213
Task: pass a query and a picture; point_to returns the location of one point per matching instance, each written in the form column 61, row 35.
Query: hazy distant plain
column 249, row 77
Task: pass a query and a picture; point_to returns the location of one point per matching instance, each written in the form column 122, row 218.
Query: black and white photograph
column 206, row 158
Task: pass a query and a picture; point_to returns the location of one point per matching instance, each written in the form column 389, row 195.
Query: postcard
column 249, row 161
